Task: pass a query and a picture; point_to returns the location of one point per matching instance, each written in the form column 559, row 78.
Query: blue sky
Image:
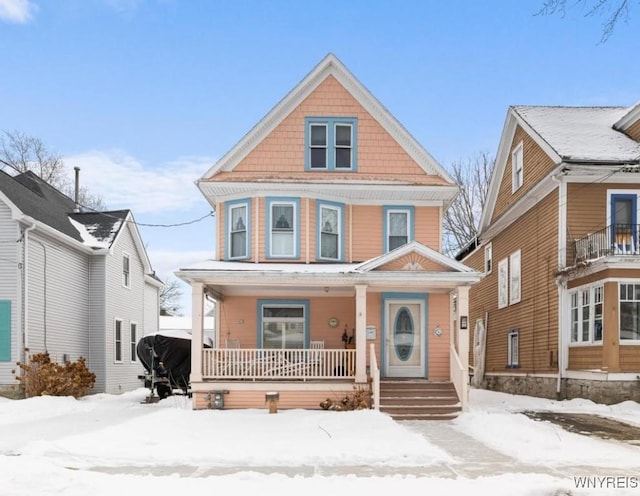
column 145, row 95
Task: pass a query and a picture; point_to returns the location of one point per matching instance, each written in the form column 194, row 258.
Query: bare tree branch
column 613, row 12
column 170, row 296
column 22, row 152
column 461, row 221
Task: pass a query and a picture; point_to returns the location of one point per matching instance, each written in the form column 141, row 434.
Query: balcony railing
column 290, row 364
column 613, row 240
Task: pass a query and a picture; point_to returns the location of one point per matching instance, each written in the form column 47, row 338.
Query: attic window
column 517, row 167
column 126, row 273
column 330, row 143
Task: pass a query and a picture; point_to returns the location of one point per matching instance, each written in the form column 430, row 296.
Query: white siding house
column 62, row 285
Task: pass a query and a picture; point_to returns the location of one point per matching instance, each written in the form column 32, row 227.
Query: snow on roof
column 582, row 133
column 292, row 268
column 87, row 238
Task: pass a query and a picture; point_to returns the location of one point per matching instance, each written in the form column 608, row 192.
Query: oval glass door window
column 403, row 334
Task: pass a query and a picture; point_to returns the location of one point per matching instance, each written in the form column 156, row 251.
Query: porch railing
column 374, row 370
column 266, row 364
column 459, row 377
column 613, row 240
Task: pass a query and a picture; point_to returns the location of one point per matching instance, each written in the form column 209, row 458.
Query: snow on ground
column 105, row 444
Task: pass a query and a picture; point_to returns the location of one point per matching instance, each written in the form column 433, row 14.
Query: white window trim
column 503, row 283
column 133, row 358
column 230, row 209
column 624, row 342
column 115, row 340
column 514, row 335
column 515, row 277
column 399, row 210
column 336, row 147
column 295, row 234
column 517, row 167
column 591, row 288
column 488, row 249
column 125, row 283
column 339, row 212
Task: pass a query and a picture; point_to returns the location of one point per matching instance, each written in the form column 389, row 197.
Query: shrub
column 42, row 377
column 359, row 399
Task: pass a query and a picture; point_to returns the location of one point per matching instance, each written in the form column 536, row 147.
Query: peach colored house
column 329, row 271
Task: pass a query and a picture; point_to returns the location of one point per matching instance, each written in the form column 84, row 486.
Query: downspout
column 562, row 261
column 25, row 291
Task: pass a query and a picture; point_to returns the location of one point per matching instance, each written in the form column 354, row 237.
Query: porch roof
column 316, row 279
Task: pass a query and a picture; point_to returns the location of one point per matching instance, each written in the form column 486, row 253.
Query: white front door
column 405, row 339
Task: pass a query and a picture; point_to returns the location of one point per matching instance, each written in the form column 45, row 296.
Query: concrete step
column 418, row 399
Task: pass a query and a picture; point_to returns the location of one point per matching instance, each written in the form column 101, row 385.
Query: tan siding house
column 328, row 271
column 562, row 318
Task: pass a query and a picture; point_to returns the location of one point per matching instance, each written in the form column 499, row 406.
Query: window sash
column 126, row 270
column 513, row 350
column 515, row 280
column 397, row 229
column 343, row 146
column 283, row 327
column 330, row 231
column 283, row 230
column 517, row 165
column 629, row 312
column 133, row 337
column 503, row 283
column 586, row 315
column 488, row 261
column 318, row 146
column 117, row 338
column 238, row 231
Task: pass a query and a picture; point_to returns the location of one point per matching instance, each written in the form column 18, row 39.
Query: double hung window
column 331, row 143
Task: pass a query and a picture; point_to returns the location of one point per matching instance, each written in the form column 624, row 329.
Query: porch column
column 197, row 307
column 361, row 333
column 463, row 329
column 462, row 332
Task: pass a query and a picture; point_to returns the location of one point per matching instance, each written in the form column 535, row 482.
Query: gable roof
column 36, row 198
column 413, row 247
column 582, row 134
column 628, row 119
column 33, row 197
column 99, row 229
column 329, row 66
column 578, row 135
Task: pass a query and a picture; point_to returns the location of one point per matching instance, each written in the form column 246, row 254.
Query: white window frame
column 409, row 234
column 133, row 341
column 503, row 283
column 624, row 341
column 321, row 232
column 336, row 147
column 284, row 320
column 231, row 231
column 325, row 147
column 117, row 340
column 294, row 228
column 582, row 303
column 513, row 348
column 515, row 277
column 488, row 259
column 517, row 167
column 126, row 270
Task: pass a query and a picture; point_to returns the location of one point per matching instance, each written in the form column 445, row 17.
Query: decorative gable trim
column 413, row 247
column 329, row 66
column 630, row 118
column 503, row 160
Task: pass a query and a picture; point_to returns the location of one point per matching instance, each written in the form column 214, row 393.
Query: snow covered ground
column 104, row 444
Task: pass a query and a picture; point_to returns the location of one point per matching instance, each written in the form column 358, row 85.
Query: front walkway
column 472, row 459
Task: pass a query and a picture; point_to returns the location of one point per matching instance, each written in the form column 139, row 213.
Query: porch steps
column 419, row 399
